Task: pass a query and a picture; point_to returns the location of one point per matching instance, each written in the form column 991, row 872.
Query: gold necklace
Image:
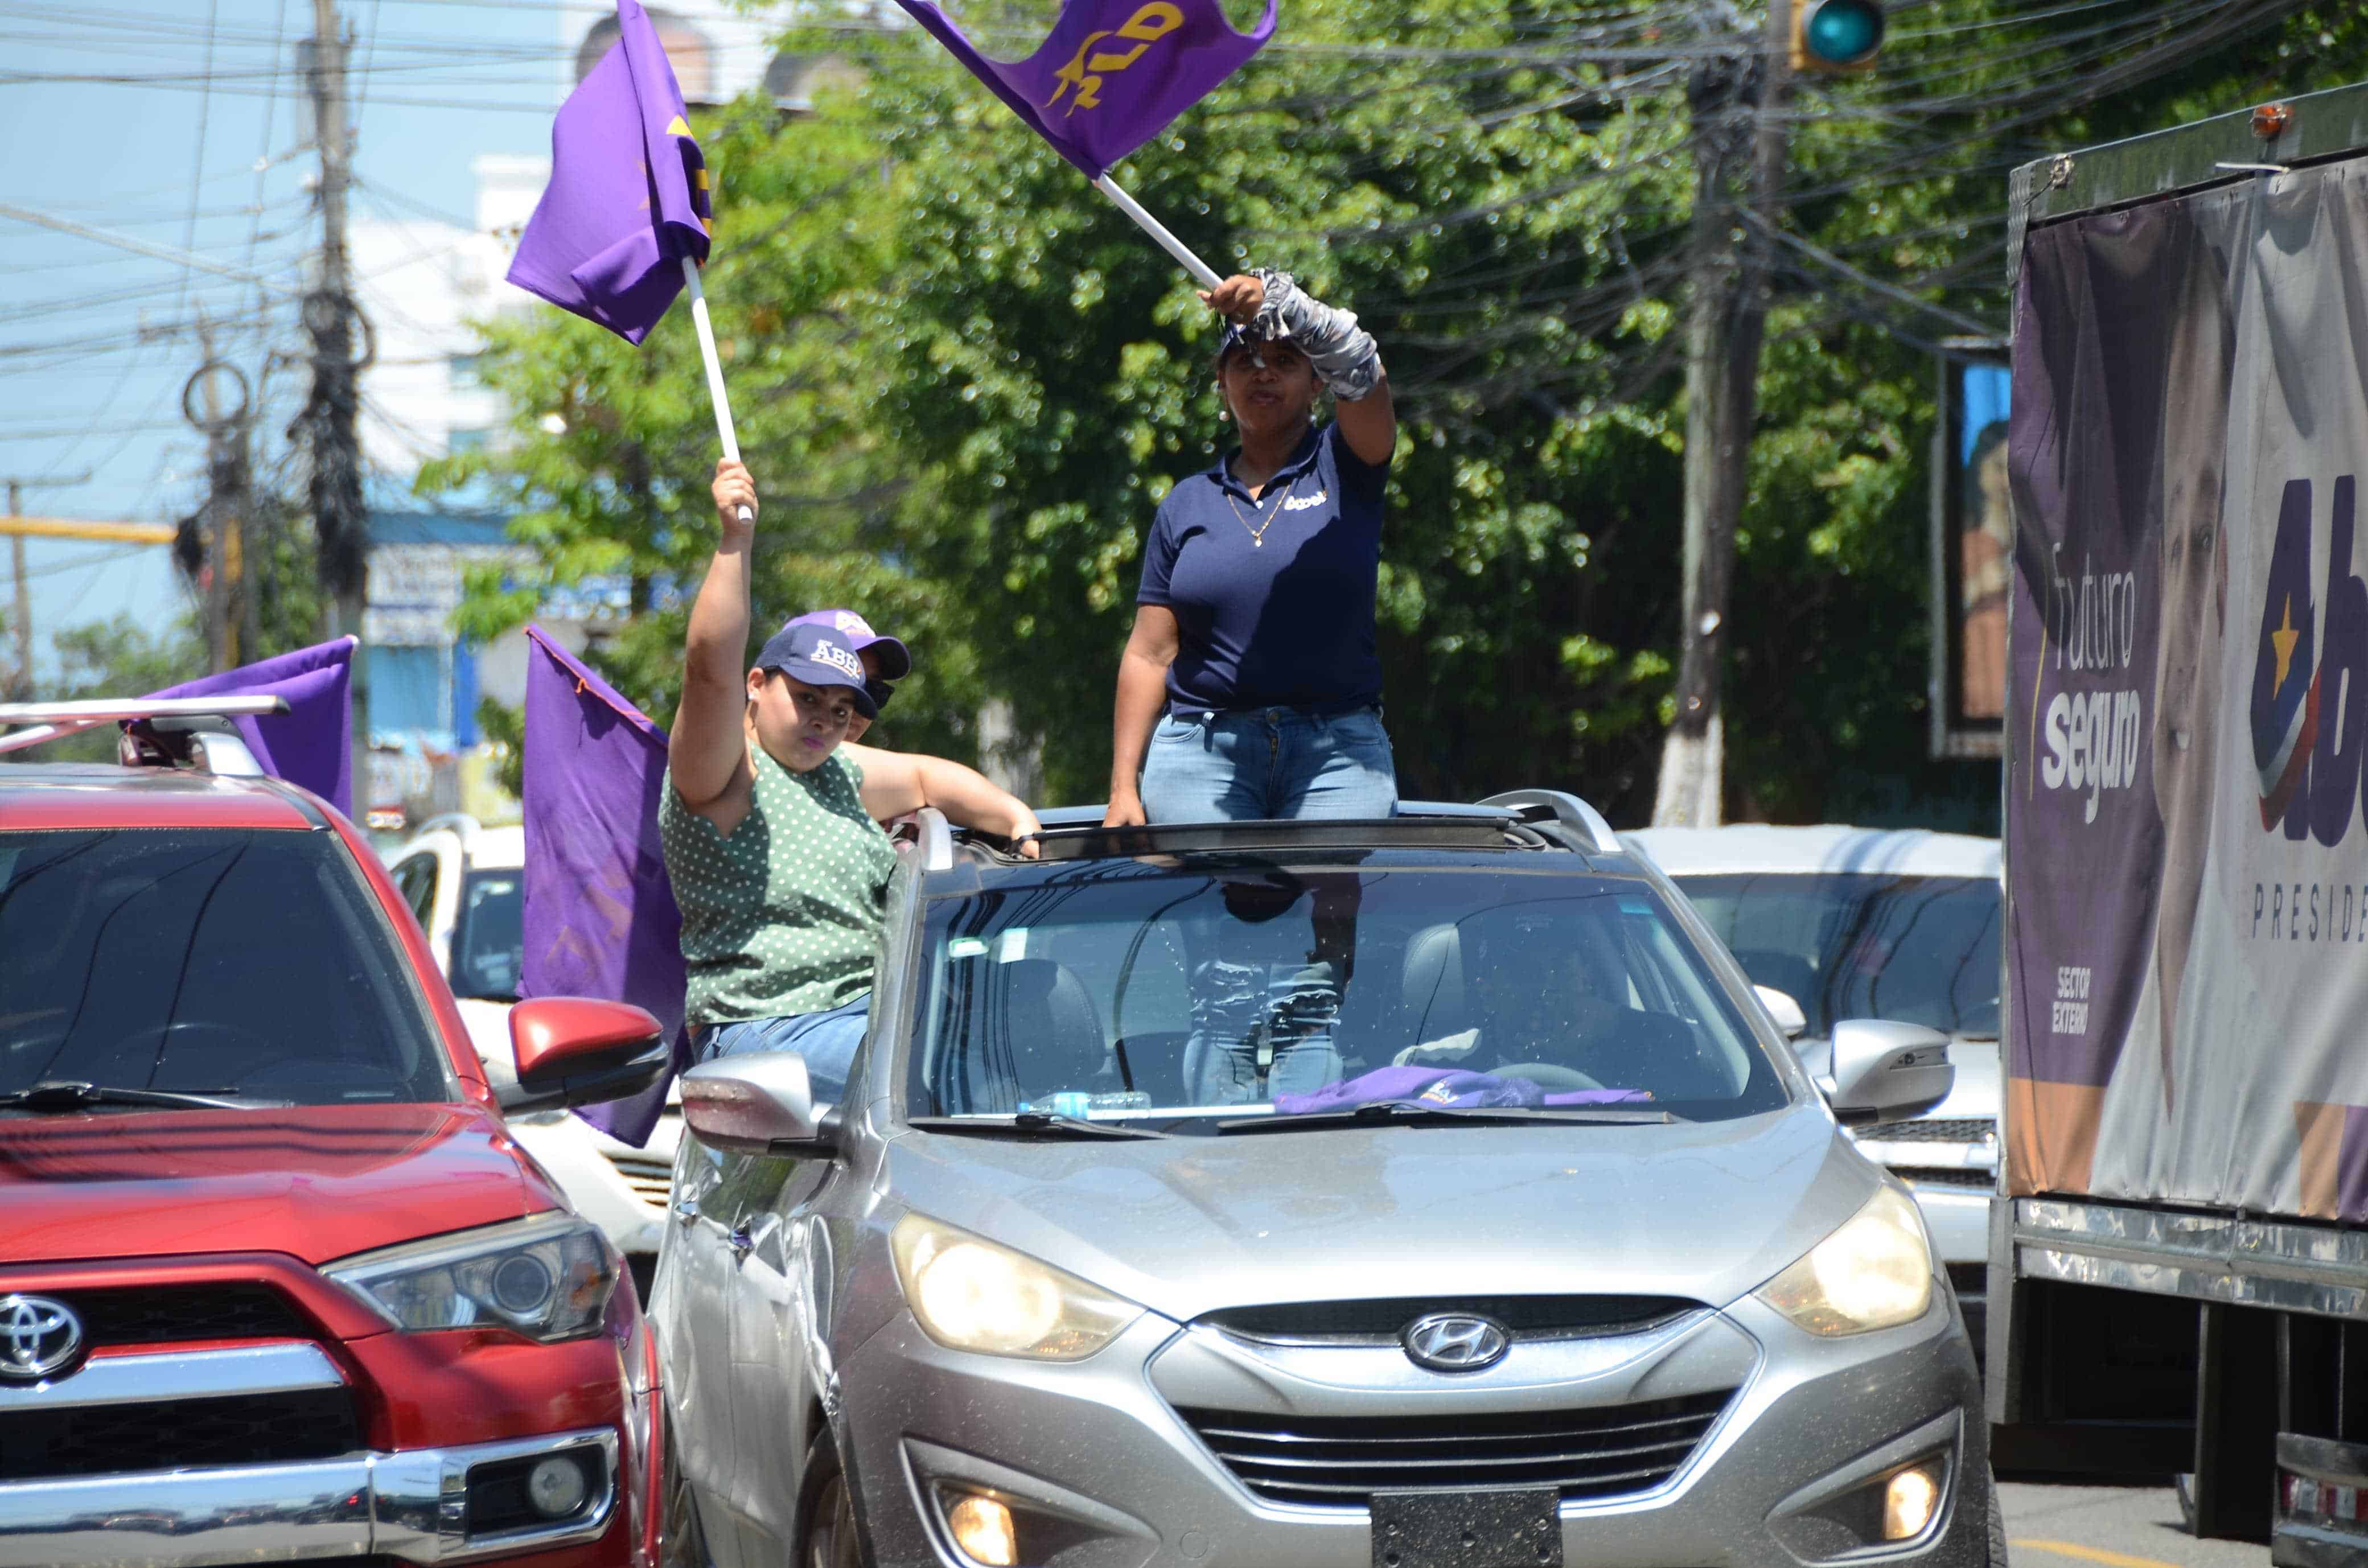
column 1257, row 534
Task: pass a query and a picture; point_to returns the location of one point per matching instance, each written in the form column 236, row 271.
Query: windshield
column 1862, row 945
column 1138, row 992
column 248, row 961
column 489, row 936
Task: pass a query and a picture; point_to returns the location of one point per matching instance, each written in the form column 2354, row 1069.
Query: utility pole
column 20, row 680
column 231, row 615
column 1738, row 121
column 328, row 419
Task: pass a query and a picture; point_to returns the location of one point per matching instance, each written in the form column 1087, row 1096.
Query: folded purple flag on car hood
column 628, row 197
column 1452, row 1088
column 601, row 917
column 312, row 745
column 1114, row 71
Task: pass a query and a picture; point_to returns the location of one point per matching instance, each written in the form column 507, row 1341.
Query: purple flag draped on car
column 628, row 197
column 601, row 917
column 1114, row 71
column 312, row 745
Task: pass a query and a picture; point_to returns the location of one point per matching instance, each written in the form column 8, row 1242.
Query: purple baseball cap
column 818, row 655
column 895, row 659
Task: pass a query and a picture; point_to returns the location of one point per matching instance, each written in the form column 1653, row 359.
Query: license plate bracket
column 1505, row 1526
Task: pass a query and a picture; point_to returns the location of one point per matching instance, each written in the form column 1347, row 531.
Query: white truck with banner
column 2178, row 1264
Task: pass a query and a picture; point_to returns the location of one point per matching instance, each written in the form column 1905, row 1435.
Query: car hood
column 1189, row 1225
column 318, row 1181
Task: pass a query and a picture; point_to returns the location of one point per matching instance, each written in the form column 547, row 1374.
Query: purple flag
column 601, row 917
column 312, row 745
column 628, row 197
column 1114, row 71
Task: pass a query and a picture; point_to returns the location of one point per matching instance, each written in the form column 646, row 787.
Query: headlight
column 970, row 1294
column 1875, row 1272
column 548, row 1276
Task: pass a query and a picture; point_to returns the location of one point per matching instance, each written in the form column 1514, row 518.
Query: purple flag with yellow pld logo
column 601, row 917
column 628, row 197
column 1114, row 71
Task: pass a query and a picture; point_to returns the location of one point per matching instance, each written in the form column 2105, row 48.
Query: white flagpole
column 716, row 394
column 1199, row 269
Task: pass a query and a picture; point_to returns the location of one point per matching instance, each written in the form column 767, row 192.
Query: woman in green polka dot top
column 771, row 820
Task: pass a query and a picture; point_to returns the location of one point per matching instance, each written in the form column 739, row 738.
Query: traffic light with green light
column 1836, row 35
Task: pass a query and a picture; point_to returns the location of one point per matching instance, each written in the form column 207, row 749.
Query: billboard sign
column 2187, row 702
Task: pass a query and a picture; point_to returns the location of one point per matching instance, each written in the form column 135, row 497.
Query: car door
column 691, row 1304
column 779, row 1314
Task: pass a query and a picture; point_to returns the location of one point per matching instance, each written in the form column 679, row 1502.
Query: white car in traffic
column 466, row 884
column 1874, row 923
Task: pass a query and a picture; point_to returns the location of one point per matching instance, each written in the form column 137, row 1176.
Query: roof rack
column 1556, row 805
column 1552, row 815
column 1410, row 829
column 157, row 716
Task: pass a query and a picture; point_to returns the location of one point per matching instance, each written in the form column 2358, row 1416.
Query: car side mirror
column 576, row 1050
column 1884, row 1071
column 748, row 1105
column 1784, row 1011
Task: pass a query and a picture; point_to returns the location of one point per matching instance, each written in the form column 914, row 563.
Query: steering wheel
column 1551, row 1076
column 207, row 1037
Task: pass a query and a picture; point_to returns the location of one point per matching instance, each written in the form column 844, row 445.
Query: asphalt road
column 2110, row 1526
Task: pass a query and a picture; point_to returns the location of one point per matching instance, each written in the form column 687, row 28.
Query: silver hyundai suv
column 1424, row 1193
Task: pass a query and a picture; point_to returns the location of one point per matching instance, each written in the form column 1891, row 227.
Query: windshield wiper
column 1032, row 1124
column 56, row 1095
column 1403, row 1112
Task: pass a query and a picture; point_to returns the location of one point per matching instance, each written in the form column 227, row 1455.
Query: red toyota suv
column 277, row 1285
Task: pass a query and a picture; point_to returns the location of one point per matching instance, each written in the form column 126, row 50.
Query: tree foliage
column 964, row 381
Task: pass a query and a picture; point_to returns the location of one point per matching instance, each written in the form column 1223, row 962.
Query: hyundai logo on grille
column 38, row 1336
column 1455, row 1342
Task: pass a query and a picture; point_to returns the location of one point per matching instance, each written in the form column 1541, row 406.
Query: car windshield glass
column 1864, row 945
column 1200, row 995
column 489, row 936
column 254, row 962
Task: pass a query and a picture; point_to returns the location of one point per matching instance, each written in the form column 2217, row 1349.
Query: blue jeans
column 1246, row 1012
column 1268, row 764
column 827, row 1040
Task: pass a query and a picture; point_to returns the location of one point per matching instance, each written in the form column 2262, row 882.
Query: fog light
column 1907, row 1503
column 982, row 1529
column 555, row 1486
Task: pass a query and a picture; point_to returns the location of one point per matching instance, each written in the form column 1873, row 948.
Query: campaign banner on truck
column 2187, row 702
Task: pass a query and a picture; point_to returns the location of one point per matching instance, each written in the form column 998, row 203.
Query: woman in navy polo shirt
column 1250, row 688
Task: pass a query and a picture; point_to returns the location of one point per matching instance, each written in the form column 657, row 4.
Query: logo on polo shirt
column 1300, row 503
column 840, row 659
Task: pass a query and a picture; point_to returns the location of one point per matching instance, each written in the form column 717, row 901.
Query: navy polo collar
column 1310, row 447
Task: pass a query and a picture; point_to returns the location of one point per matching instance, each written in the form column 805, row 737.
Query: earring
column 1225, row 416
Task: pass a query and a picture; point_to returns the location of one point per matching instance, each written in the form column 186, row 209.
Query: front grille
column 170, row 1315
column 114, row 1439
column 652, row 1179
column 1602, row 1452
column 1935, row 1129
column 1974, row 1180
column 1381, row 1322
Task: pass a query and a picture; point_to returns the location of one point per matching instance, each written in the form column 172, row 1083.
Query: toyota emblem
column 1455, row 1342
column 38, row 1337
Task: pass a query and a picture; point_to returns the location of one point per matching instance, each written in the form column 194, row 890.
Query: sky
column 185, row 124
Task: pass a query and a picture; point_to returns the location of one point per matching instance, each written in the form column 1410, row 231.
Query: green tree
column 966, row 382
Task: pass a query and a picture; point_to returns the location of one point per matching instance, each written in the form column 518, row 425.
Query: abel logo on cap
column 841, row 659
